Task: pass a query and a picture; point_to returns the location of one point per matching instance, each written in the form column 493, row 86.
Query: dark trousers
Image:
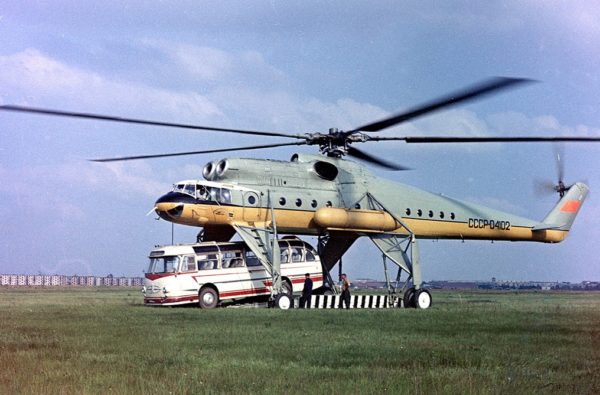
column 305, row 301
column 345, row 299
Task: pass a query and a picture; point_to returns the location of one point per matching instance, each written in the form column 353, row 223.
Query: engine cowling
column 340, row 218
column 209, row 171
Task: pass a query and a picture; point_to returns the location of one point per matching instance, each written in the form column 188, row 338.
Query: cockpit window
column 214, row 194
column 225, row 196
column 203, row 192
column 190, row 189
column 221, row 195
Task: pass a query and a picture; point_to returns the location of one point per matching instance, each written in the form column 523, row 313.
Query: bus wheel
column 208, row 298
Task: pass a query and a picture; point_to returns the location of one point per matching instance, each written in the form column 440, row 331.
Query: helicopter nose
column 170, row 206
column 169, row 211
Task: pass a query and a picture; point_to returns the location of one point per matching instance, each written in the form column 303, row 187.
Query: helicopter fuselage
column 314, row 194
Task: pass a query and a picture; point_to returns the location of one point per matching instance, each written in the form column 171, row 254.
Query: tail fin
column 563, row 214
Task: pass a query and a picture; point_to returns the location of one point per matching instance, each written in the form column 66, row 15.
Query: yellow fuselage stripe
column 302, row 222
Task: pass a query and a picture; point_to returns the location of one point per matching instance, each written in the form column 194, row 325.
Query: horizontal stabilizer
column 543, row 226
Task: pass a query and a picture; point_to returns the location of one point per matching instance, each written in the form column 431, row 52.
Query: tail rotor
column 544, row 187
column 559, row 154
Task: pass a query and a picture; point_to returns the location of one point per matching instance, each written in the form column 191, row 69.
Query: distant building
column 55, row 280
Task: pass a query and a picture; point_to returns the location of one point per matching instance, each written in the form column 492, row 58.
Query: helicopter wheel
column 286, row 288
column 283, row 301
column 409, row 298
column 422, row 299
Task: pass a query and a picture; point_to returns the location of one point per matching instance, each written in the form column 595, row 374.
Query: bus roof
column 189, row 248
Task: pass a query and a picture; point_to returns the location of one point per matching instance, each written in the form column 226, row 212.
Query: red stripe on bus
column 156, row 276
column 244, row 292
column 192, row 298
column 300, row 280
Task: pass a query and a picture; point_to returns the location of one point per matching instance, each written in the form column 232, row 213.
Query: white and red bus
column 209, row 273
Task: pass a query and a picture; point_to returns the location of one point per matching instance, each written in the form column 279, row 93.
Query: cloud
column 550, row 123
column 128, row 179
column 31, row 77
column 57, row 189
column 206, row 66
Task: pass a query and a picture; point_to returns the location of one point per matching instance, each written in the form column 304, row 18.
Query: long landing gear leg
column 328, row 283
column 264, row 244
column 396, row 248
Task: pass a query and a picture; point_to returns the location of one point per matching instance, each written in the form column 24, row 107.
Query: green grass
column 106, row 341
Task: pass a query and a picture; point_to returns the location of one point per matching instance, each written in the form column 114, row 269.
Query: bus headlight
column 144, row 290
column 165, row 290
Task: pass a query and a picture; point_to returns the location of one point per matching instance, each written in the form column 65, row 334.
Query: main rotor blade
column 484, row 88
column 253, row 147
column 440, row 139
column 100, row 117
column 371, row 159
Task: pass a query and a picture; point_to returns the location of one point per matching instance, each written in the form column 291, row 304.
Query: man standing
column 345, row 299
column 306, row 292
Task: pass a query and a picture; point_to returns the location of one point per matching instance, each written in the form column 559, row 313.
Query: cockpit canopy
column 203, row 192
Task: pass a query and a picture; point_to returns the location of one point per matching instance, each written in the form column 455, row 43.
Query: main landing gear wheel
column 283, row 301
column 422, row 299
column 409, row 298
column 286, row 288
column 208, row 298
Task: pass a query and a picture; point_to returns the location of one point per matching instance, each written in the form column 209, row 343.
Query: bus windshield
column 165, row 264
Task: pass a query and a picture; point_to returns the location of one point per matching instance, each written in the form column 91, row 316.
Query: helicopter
column 339, row 200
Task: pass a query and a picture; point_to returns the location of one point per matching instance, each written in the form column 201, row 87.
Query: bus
column 210, row 273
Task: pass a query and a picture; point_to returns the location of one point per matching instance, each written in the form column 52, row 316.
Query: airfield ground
column 105, row 341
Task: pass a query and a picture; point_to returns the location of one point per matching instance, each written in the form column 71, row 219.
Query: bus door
column 207, row 259
column 236, row 281
column 187, row 273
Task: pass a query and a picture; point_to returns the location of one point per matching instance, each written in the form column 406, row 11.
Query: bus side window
column 252, row 260
column 189, row 264
column 310, row 257
column 207, row 262
column 237, row 262
column 232, row 259
column 296, row 254
column 285, row 255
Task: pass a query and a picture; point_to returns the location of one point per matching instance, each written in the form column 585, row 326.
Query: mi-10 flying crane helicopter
column 340, row 200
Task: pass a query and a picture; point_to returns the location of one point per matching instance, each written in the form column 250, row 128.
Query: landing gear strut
column 404, row 252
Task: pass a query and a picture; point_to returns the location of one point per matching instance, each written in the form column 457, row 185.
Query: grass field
column 105, row 341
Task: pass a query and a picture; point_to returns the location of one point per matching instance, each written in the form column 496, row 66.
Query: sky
column 292, row 67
